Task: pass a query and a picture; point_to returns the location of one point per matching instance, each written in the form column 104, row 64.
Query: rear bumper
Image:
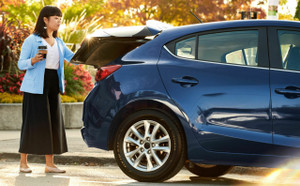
column 95, row 138
column 98, row 113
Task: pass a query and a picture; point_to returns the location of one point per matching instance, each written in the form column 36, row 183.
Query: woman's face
column 53, row 22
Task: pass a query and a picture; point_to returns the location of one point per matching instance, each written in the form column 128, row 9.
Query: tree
column 285, row 14
column 26, row 12
column 128, row 12
column 297, row 14
column 176, row 12
column 23, row 12
column 5, row 3
column 90, row 7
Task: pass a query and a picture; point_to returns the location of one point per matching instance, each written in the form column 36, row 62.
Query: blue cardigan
column 33, row 81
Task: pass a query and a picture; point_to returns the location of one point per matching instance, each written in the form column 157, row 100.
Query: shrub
column 13, row 98
column 78, row 80
column 11, row 39
column 67, row 99
column 79, row 98
column 11, row 83
column 78, row 83
column 10, row 98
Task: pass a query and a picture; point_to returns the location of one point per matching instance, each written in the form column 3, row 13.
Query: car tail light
column 103, row 72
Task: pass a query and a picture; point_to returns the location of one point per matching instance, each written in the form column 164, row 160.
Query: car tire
column 203, row 170
column 154, row 157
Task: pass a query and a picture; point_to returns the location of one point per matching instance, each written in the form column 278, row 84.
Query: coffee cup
column 43, row 51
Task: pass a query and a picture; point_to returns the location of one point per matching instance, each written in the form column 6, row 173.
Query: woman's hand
column 38, row 57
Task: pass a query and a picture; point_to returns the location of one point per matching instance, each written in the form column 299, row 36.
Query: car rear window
column 186, row 48
column 234, row 47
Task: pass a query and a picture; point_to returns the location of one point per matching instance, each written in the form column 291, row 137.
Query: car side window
column 290, row 49
column 234, row 47
column 186, row 48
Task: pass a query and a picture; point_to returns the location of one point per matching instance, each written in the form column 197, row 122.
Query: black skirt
column 43, row 131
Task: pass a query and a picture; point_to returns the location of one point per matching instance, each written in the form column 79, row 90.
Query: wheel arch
column 141, row 105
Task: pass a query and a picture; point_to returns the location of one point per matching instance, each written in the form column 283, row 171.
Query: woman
column 43, row 130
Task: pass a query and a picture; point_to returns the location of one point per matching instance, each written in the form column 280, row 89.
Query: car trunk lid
column 106, row 45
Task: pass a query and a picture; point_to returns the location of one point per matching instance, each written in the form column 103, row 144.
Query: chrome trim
column 284, row 70
column 211, row 62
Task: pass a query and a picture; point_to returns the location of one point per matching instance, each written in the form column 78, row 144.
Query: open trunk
column 106, row 45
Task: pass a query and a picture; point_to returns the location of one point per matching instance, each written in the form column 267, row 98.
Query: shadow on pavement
column 194, row 180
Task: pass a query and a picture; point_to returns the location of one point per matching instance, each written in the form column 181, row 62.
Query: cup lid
column 42, row 47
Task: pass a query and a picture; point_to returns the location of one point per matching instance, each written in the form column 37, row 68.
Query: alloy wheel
column 147, row 145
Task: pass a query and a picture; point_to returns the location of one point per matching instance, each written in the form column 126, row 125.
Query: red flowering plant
column 78, row 80
column 12, row 35
column 11, row 39
column 11, row 83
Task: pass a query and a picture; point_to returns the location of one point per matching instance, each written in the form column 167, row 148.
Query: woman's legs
column 23, row 164
column 49, row 160
column 23, row 161
column 50, row 167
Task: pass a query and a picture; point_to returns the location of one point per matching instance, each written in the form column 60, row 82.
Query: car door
column 285, row 86
column 220, row 80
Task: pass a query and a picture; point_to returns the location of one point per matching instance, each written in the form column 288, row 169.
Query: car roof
column 176, row 32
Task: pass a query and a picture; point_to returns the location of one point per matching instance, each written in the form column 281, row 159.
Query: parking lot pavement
column 81, row 175
column 79, row 152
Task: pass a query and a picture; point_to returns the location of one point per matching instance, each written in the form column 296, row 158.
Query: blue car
column 205, row 96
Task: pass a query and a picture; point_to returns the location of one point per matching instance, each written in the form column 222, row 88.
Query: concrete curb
column 62, row 159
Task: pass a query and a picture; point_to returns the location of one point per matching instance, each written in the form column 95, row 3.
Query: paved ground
column 80, row 154
column 81, row 175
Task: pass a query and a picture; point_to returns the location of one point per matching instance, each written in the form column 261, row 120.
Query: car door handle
column 186, row 81
column 289, row 92
column 285, row 91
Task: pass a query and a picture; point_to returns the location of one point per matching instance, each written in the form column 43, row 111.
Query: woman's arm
column 24, row 62
column 68, row 54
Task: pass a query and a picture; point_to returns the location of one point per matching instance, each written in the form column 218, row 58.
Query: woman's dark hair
column 47, row 11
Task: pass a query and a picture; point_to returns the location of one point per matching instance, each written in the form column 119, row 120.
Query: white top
column 52, row 59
